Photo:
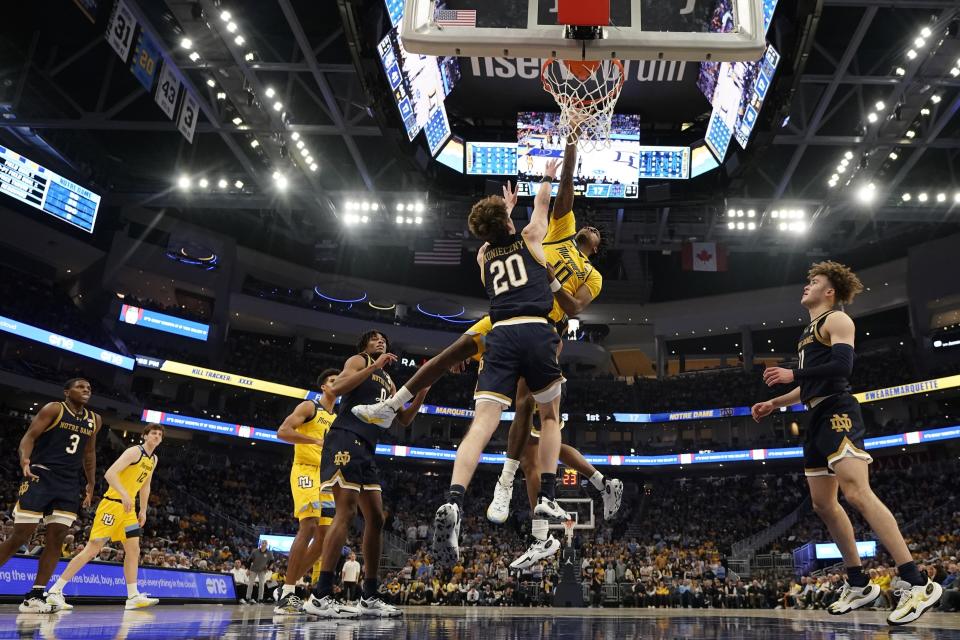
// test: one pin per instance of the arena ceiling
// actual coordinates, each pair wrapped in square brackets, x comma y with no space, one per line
[295,71]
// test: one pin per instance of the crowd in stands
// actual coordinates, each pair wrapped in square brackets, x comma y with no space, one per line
[668,546]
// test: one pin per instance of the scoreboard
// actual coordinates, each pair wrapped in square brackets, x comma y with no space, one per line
[492,158]
[36,186]
[671,163]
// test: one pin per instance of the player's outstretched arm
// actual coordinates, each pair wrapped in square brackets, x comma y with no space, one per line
[40,423]
[407,414]
[287,432]
[356,370]
[564,201]
[536,231]
[763,409]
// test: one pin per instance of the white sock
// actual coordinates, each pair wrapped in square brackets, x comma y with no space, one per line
[58,586]
[287,590]
[538,529]
[400,398]
[510,467]
[597,480]
[132,590]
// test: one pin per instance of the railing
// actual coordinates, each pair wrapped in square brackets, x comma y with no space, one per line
[748,546]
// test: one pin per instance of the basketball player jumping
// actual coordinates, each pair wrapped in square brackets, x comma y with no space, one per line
[833,452]
[305,429]
[349,471]
[567,253]
[117,519]
[60,439]
[521,343]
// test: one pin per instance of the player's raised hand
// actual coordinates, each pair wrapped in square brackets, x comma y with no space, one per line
[552,168]
[761,410]
[384,360]
[510,196]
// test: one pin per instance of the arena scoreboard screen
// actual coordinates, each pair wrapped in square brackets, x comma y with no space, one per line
[570,478]
[491,158]
[33,184]
[670,163]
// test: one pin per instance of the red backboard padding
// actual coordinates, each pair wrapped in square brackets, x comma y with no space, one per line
[584,13]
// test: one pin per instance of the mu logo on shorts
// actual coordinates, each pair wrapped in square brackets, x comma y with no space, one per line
[841,423]
[107,519]
[305,482]
[342,458]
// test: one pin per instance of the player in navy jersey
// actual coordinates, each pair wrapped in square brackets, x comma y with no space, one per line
[833,453]
[348,471]
[522,343]
[60,441]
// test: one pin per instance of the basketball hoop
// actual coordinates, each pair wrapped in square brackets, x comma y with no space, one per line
[586,92]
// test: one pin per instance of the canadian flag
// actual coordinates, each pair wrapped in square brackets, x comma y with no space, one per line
[704,256]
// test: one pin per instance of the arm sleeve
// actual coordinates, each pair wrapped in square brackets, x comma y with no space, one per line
[594,282]
[840,365]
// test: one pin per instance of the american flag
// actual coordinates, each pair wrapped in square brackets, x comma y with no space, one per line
[441,252]
[456,17]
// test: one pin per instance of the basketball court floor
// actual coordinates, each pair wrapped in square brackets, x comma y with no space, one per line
[466,623]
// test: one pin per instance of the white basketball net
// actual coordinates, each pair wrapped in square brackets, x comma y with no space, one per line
[586,93]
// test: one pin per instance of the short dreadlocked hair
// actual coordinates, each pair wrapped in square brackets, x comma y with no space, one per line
[844,281]
[365,338]
[489,220]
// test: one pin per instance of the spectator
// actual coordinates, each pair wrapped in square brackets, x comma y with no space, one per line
[260,561]
[350,575]
[239,578]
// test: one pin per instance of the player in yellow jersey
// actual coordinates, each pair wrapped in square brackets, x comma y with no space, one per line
[116,519]
[305,429]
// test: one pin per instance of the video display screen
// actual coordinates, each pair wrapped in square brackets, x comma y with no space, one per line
[702,161]
[669,163]
[452,154]
[612,172]
[491,159]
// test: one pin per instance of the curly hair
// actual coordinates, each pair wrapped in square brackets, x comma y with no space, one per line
[365,338]
[489,221]
[844,281]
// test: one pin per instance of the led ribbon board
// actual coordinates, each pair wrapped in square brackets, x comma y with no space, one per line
[403,451]
[43,336]
[222,377]
[163,322]
[100,579]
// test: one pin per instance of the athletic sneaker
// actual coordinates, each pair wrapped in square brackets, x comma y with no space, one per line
[446,535]
[852,598]
[328,607]
[140,601]
[537,551]
[57,603]
[612,496]
[499,509]
[380,414]
[291,605]
[35,605]
[914,600]
[377,608]
[550,509]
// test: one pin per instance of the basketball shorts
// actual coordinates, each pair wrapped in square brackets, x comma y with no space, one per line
[835,431]
[112,522]
[54,498]
[347,460]
[308,501]
[527,349]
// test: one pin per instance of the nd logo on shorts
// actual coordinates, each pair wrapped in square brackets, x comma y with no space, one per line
[342,458]
[841,423]
[305,482]
[24,486]
[107,519]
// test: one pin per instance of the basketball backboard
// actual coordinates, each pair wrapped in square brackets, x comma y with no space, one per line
[722,30]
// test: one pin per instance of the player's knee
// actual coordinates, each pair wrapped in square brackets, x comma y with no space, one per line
[857,495]
[308,527]
[825,506]
[374,519]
